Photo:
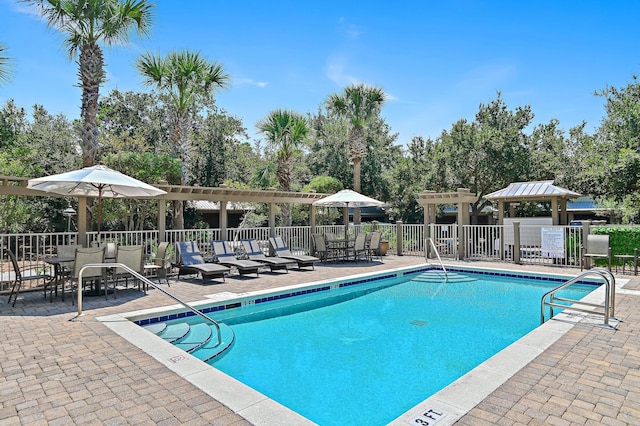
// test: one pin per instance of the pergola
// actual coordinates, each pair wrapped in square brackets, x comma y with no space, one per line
[430,200]
[18,186]
[534,192]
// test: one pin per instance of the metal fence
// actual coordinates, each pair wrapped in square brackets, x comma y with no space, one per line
[522,244]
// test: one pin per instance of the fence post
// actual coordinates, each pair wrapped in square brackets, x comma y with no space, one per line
[399,249]
[586,230]
[516,242]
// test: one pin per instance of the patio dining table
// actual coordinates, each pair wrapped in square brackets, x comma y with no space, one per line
[341,246]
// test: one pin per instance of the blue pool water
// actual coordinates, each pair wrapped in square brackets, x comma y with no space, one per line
[377,349]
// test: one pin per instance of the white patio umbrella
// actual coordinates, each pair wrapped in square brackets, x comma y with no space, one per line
[95,181]
[348,198]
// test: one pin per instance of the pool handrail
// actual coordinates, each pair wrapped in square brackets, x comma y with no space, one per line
[426,257]
[609,302]
[148,282]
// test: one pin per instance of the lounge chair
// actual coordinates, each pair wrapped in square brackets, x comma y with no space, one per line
[254,253]
[281,250]
[227,257]
[191,262]
[597,247]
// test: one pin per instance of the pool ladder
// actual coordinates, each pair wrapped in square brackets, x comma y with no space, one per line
[426,256]
[608,308]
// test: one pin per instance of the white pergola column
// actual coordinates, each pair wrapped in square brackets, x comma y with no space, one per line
[223,219]
[162,221]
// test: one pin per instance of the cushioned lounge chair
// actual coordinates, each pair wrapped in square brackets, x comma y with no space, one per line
[191,262]
[227,257]
[254,253]
[281,250]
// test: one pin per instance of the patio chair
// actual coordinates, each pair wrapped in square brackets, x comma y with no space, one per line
[596,247]
[67,251]
[374,245]
[227,257]
[254,253]
[191,262]
[320,247]
[161,265]
[360,247]
[281,250]
[21,276]
[85,256]
[133,257]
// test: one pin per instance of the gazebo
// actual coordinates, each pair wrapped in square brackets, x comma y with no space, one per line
[532,192]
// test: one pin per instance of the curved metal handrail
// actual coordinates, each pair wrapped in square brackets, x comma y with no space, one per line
[147,281]
[608,308]
[446,277]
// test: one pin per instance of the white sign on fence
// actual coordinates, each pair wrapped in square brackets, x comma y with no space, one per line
[552,242]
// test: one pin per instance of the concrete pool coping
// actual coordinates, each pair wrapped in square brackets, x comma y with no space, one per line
[446,406]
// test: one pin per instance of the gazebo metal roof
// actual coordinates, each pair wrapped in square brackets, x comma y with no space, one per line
[528,191]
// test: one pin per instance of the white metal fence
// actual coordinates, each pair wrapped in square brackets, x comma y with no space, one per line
[480,242]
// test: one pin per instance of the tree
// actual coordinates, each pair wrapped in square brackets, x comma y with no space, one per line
[323,185]
[5,65]
[44,145]
[221,151]
[189,81]
[413,174]
[615,170]
[485,155]
[328,148]
[135,122]
[87,24]
[358,103]
[286,132]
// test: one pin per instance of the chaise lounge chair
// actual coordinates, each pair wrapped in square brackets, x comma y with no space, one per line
[227,257]
[191,262]
[254,252]
[280,248]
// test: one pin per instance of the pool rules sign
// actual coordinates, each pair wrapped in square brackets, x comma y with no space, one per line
[552,242]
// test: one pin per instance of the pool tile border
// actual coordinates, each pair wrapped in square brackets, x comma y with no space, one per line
[352,282]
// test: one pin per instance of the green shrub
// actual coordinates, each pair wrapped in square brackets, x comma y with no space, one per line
[622,239]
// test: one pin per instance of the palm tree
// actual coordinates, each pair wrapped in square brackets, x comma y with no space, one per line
[358,103]
[285,131]
[87,24]
[190,82]
[5,65]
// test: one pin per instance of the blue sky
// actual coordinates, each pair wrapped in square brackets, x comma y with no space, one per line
[437,61]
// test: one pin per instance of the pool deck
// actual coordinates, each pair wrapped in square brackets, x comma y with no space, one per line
[61,369]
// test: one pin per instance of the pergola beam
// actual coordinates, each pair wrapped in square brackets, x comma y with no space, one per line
[11,185]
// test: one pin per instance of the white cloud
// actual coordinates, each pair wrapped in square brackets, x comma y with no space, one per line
[336,71]
[351,31]
[249,81]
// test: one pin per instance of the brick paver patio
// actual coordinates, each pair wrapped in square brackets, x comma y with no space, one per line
[60,369]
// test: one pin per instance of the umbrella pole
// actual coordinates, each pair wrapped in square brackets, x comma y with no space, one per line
[346,221]
[99,210]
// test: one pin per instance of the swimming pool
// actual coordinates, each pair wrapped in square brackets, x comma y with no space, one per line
[390,373]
